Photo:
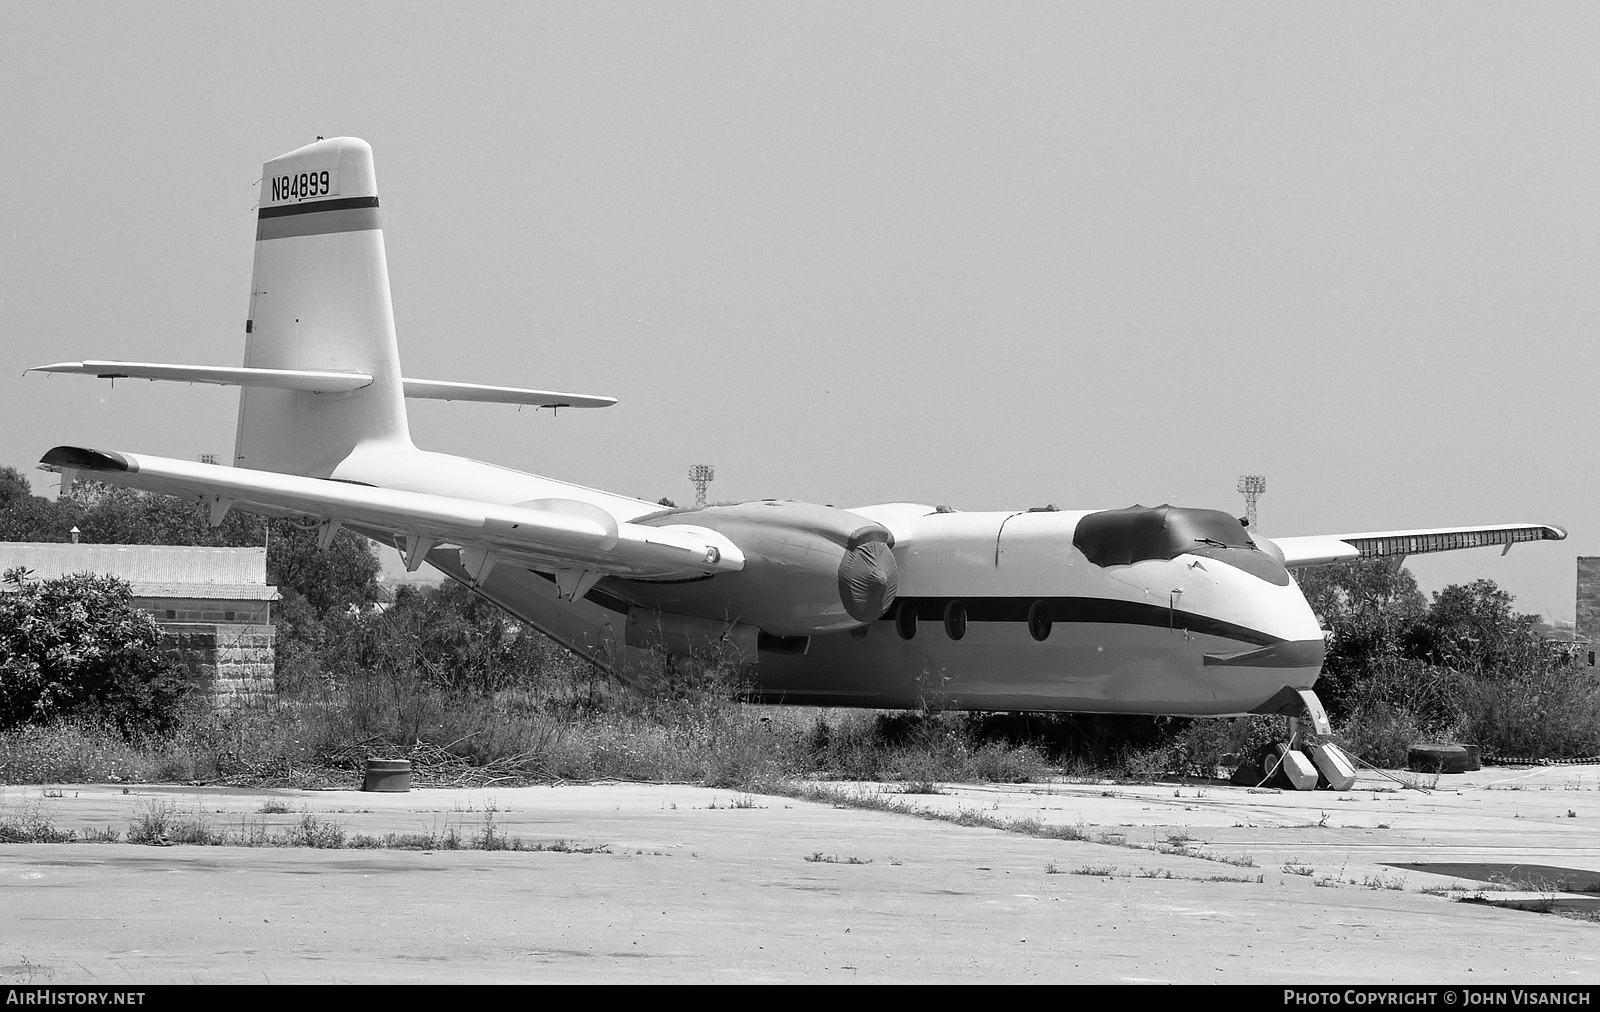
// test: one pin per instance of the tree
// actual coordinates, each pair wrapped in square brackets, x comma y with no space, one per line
[13,486]
[1471,626]
[1362,592]
[1368,604]
[335,578]
[77,645]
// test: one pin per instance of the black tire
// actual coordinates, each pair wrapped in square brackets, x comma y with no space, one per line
[1436,759]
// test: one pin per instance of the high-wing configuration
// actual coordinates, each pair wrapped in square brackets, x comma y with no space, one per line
[1159,609]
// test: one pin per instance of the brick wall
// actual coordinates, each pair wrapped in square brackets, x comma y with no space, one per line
[230,661]
[1589,602]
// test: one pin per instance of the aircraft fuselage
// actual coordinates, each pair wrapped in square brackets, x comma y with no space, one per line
[992,611]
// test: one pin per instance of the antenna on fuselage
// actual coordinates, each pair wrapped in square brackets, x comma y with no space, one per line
[1254,486]
[701,475]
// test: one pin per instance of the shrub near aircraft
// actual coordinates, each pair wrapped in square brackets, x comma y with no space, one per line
[1150,610]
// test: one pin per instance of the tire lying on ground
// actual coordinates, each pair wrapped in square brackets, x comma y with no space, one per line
[1437,759]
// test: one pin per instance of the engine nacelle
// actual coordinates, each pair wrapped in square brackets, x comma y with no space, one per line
[808,569]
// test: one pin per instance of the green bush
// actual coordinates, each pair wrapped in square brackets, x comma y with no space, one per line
[1380,733]
[76,645]
[1541,710]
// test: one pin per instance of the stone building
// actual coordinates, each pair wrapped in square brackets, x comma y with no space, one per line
[213,604]
[1589,604]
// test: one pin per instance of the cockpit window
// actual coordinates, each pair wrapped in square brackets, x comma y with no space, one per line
[1123,537]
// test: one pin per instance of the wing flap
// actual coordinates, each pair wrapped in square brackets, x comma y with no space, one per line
[543,534]
[1322,549]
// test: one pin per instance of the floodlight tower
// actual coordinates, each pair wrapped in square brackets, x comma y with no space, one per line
[1254,486]
[701,475]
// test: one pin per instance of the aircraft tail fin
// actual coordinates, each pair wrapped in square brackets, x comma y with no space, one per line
[319,300]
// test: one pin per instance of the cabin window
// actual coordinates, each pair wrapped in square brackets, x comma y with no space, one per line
[1039,621]
[905,620]
[955,620]
[1126,536]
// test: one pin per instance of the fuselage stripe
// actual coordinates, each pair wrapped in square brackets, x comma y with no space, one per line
[1079,610]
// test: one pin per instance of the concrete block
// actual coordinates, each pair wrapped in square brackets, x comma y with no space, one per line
[1302,776]
[1335,767]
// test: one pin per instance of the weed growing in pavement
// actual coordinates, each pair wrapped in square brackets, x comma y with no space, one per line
[820,858]
[1025,825]
[312,832]
[1394,882]
[739,801]
[568,847]
[1107,871]
[165,824]
[31,823]
[162,824]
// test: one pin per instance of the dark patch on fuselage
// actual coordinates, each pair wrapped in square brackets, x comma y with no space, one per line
[1144,533]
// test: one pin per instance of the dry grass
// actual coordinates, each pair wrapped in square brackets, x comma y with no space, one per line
[468,739]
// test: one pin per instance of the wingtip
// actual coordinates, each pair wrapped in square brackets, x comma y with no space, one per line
[84,459]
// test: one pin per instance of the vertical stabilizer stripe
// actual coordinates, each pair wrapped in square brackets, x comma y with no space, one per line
[353,219]
[313,206]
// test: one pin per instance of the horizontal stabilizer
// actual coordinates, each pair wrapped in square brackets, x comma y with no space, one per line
[313,380]
[543,534]
[325,381]
[444,390]
[1322,549]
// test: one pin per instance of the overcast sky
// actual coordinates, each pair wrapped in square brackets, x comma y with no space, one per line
[990,255]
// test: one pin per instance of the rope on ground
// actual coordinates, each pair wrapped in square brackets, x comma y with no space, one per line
[1495,759]
[1384,773]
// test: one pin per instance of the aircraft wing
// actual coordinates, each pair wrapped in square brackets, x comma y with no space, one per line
[551,535]
[1322,549]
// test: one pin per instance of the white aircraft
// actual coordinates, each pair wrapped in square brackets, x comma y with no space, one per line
[1149,610]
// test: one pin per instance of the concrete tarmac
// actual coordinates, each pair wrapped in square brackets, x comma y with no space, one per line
[1192,883]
